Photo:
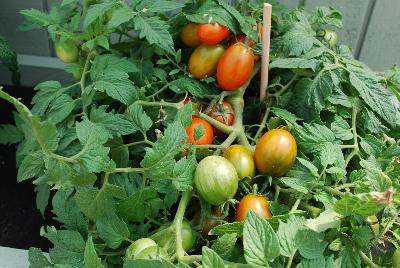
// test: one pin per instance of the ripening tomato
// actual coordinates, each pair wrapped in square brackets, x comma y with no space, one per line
[235,67]
[331,37]
[189,35]
[167,241]
[212,34]
[258,203]
[204,60]
[208,136]
[242,38]
[224,114]
[242,159]
[275,153]
[67,51]
[216,180]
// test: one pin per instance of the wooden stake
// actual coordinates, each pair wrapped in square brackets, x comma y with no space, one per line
[266,40]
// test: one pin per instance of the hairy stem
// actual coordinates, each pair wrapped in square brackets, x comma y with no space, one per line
[367,260]
[180,213]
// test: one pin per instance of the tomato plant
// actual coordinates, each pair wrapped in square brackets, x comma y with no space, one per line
[275,152]
[212,33]
[242,159]
[257,203]
[67,51]
[235,67]
[204,60]
[216,180]
[189,35]
[105,152]
[206,138]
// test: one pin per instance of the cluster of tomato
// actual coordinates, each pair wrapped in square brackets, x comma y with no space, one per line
[217,177]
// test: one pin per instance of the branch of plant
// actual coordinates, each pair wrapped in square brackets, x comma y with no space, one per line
[222,127]
[290,260]
[228,141]
[180,213]
[366,260]
[165,87]
[176,64]
[161,103]
[83,80]
[355,151]
[284,88]
[385,229]
[296,204]
[262,125]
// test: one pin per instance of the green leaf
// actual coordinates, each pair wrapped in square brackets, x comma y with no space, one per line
[350,257]
[10,134]
[140,120]
[92,136]
[287,235]
[112,230]
[314,263]
[327,15]
[31,166]
[155,31]
[146,6]
[377,97]
[294,63]
[183,174]
[260,241]
[116,124]
[35,19]
[184,115]
[210,259]
[224,245]
[95,203]
[310,95]
[67,212]
[311,244]
[228,228]
[69,246]
[341,129]
[362,235]
[119,16]
[199,132]
[119,152]
[42,197]
[349,204]
[68,2]
[60,108]
[91,258]
[96,11]
[159,161]
[326,220]
[37,259]
[148,264]
[133,207]
[194,87]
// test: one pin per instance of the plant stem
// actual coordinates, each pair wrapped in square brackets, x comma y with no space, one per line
[190,259]
[356,149]
[262,124]
[136,143]
[296,204]
[283,90]
[367,260]
[180,213]
[128,170]
[160,90]
[344,186]
[224,128]
[176,65]
[333,191]
[161,103]
[290,260]
[83,81]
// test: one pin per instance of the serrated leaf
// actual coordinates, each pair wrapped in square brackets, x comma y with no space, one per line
[116,124]
[362,235]
[141,121]
[260,241]
[37,259]
[314,263]
[311,244]
[184,115]
[326,220]
[31,166]
[159,6]
[91,258]
[183,174]
[159,160]
[148,264]
[97,10]
[294,63]
[133,207]
[10,134]
[228,228]
[112,230]
[199,132]
[224,245]
[120,16]
[155,31]
[60,108]
[341,129]
[287,235]
[194,87]
[210,259]
[68,248]
[350,257]
[327,15]
[42,197]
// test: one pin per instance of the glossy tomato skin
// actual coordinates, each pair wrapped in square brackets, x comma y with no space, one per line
[212,33]
[208,136]
[242,159]
[188,237]
[275,152]
[216,180]
[189,35]
[204,60]
[257,203]
[235,67]
[242,39]
[67,51]
[218,112]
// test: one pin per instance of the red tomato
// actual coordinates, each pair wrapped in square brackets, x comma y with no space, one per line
[242,39]
[258,203]
[189,35]
[212,34]
[224,114]
[235,67]
[208,136]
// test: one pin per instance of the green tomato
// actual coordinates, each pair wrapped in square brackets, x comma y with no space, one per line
[396,259]
[216,180]
[331,37]
[242,160]
[138,246]
[151,253]
[188,237]
[67,51]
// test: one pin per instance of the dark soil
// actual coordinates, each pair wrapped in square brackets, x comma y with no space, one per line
[20,220]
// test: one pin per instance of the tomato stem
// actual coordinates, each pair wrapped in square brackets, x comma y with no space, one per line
[180,213]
